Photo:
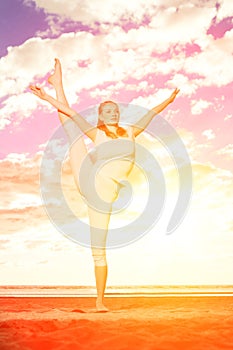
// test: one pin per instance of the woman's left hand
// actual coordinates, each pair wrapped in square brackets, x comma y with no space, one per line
[173,95]
[39,92]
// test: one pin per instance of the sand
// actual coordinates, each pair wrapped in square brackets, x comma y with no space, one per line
[133,323]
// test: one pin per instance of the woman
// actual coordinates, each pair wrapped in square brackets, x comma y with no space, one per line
[109,175]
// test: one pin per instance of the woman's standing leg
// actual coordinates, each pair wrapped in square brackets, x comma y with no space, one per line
[99,229]
[99,222]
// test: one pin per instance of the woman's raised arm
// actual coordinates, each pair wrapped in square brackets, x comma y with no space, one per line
[146,119]
[86,127]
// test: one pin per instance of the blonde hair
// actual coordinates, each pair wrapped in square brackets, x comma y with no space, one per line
[102,126]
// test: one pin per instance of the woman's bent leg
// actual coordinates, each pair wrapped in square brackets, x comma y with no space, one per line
[78,150]
[56,80]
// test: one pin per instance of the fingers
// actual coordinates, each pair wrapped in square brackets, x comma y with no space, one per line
[36,90]
[34,87]
[175,92]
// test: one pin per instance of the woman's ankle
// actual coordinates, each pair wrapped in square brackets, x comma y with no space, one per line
[100,299]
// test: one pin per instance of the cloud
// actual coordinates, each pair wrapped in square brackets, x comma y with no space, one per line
[214,61]
[197,107]
[115,11]
[196,149]
[210,211]
[31,239]
[209,134]
[208,176]
[182,25]
[228,116]
[227,150]
[139,48]
[19,170]
[17,108]
[152,100]
[187,85]
[114,55]
[20,219]
[19,191]
[225,9]
[91,12]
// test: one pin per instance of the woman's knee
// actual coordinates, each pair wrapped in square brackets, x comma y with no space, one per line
[99,256]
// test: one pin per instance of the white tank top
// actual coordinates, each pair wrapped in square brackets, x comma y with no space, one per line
[116,156]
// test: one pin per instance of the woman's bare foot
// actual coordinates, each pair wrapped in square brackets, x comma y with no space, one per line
[56,77]
[100,306]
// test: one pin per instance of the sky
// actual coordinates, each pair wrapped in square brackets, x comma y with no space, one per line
[133,52]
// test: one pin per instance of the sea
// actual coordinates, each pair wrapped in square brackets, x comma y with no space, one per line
[117,291]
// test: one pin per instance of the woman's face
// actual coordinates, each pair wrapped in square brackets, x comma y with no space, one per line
[110,114]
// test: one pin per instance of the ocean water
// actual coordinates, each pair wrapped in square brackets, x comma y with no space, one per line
[116,291]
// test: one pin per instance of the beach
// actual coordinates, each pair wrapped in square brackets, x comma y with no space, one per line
[132,323]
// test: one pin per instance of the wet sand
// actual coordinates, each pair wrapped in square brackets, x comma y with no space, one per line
[48,323]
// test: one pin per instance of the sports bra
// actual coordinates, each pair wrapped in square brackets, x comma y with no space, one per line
[120,148]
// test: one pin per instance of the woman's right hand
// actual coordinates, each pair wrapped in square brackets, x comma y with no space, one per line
[173,95]
[39,92]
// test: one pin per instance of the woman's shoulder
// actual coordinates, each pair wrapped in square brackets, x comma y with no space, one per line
[129,129]
[100,136]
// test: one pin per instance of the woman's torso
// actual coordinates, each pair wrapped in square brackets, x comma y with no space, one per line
[115,156]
